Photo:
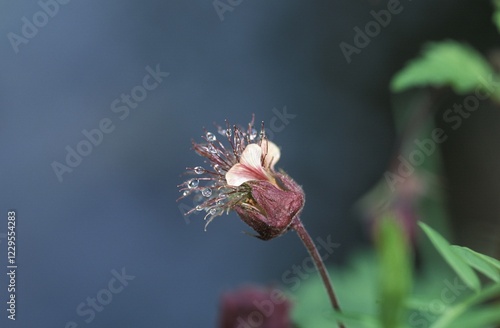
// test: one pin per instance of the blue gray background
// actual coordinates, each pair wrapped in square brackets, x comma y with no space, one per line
[117,208]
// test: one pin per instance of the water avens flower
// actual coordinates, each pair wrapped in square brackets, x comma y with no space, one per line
[242,177]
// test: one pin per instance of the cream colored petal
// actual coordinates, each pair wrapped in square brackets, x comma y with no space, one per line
[249,167]
[238,175]
[251,156]
[273,153]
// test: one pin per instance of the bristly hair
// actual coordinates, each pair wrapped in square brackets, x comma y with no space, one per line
[209,187]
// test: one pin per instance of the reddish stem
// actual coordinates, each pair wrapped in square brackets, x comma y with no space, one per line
[313,251]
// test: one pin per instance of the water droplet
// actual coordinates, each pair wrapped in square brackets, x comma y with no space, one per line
[199,170]
[212,149]
[210,137]
[213,211]
[229,133]
[207,192]
[253,134]
[185,193]
[193,183]
[199,208]
[219,202]
[222,196]
[218,169]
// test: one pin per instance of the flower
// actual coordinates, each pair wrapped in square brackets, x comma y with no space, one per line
[403,203]
[255,307]
[243,178]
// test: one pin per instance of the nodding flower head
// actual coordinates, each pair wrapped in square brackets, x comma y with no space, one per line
[241,177]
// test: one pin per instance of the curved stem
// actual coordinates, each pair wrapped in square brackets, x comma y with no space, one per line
[313,251]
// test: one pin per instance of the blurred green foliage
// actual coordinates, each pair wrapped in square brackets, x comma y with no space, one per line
[394,271]
[447,63]
[375,289]
[455,286]
[496,14]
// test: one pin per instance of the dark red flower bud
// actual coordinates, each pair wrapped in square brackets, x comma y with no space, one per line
[270,209]
[255,307]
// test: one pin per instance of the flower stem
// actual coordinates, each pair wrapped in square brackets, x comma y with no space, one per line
[313,251]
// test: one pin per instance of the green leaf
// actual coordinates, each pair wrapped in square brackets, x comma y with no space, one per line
[479,318]
[494,262]
[394,272]
[462,269]
[446,63]
[478,262]
[496,14]
[451,315]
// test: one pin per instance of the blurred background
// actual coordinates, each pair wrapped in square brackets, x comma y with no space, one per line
[114,211]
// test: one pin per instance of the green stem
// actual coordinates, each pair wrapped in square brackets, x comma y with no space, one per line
[313,251]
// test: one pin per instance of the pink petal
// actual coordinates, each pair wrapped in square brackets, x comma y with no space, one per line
[249,167]
[240,174]
[251,157]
